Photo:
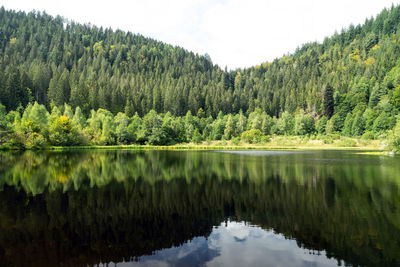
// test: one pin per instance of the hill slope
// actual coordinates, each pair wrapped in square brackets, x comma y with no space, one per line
[96,68]
[349,84]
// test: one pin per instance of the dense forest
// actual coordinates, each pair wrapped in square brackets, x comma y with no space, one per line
[81,82]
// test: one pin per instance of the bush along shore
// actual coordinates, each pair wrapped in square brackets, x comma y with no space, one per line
[61,128]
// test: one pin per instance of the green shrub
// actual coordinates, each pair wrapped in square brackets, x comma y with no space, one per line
[327,139]
[320,125]
[334,136]
[35,141]
[17,140]
[394,138]
[196,138]
[252,136]
[235,141]
[63,132]
[265,139]
[368,135]
[221,143]
[347,142]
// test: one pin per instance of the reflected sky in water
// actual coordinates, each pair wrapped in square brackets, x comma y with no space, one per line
[227,245]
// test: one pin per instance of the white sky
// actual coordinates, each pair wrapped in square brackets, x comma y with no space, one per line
[235,33]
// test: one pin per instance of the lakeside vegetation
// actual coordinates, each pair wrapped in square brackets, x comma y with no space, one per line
[63,127]
[67,84]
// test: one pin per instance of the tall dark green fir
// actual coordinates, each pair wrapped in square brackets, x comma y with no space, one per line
[328,103]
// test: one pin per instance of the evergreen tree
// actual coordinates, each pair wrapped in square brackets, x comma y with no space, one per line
[328,102]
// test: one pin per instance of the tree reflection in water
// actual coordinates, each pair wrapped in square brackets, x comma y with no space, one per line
[88,207]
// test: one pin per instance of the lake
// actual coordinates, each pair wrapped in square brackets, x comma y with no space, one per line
[199,208]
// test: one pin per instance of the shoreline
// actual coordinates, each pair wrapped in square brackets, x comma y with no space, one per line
[276,143]
[201,148]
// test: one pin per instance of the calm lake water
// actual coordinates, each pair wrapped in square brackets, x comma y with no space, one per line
[188,208]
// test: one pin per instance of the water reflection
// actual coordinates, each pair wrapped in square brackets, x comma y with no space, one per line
[87,208]
[226,246]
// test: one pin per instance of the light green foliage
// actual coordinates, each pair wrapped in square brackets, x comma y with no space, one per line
[359,93]
[346,142]
[196,137]
[253,136]
[94,127]
[108,134]
[55,113]
[320,125]
[151,129]
[35,119]
[207,129]
[255,120]
[122,133]
[174,129]
[68,111]
[368,135]
[230,129]
[190,124]
[286,123]
[377,92]
[336,123]
[39,115]
[274,127]
[267,124]
[242,123]
[391,79]
[63,132]
[134,127]
[151,121]
[101,128]
[395,137]
[382,123]
[13,120]
[218,127]
[358,126]
[304,124]
[396,97]
[79,119]
[35,141]
[236,141]
[157,137]
[348,123]
[369,117]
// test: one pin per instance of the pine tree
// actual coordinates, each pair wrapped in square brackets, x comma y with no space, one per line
[328,102]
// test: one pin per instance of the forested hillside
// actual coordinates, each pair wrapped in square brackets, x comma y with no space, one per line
[349,84]
[96,68]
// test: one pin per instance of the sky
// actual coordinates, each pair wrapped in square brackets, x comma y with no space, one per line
[235,33]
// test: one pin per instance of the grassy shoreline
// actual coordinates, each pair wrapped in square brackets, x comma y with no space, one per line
[275,143]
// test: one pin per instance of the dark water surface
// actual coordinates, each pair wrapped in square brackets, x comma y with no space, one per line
[187,208]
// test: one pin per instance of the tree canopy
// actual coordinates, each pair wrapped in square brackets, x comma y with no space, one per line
[348,84]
